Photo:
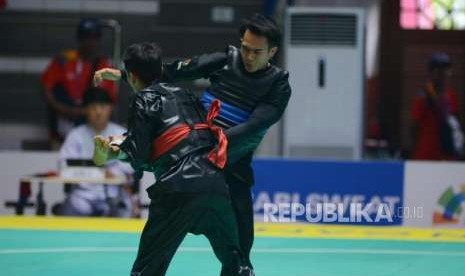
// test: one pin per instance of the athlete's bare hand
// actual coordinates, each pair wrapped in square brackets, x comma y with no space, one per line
[115,141]
[110,74]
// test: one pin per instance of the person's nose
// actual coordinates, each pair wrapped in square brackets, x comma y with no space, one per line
[250,57]
[99,111]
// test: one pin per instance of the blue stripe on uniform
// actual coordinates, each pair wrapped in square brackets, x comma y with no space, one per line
[227,111]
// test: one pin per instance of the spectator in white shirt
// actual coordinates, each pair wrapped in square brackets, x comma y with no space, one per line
[87,199]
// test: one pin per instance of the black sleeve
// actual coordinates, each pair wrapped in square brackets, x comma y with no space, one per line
[267,113]
[195,68]
[141,130]
[237,151]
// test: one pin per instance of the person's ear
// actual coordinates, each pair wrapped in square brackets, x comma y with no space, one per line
[273,51]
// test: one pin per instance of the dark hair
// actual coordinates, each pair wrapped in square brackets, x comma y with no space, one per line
[96,95]
[87,28]
[439,60]
[144,60]
[262,25]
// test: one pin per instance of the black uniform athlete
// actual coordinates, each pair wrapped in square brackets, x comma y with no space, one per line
[169,136]
[253,95]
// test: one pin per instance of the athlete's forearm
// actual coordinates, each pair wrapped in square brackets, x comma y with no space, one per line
[110,74]
[194,68]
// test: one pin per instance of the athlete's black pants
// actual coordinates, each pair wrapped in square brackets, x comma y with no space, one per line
[172,216]
[241,197]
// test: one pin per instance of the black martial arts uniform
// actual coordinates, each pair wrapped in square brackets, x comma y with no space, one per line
[190,193]
[250,104]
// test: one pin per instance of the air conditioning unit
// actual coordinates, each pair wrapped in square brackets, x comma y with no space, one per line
[324,54]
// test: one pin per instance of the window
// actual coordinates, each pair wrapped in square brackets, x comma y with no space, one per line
[432,14]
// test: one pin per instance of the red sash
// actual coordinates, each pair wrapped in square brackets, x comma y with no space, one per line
[174,135]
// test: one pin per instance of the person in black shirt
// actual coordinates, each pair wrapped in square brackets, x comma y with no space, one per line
[253,94]
[169,136]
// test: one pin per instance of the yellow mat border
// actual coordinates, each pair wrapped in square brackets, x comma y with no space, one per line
[315,231]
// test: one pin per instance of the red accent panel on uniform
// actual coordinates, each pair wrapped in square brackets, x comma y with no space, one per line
[174,135]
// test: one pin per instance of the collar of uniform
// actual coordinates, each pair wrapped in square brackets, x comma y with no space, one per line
[258,73]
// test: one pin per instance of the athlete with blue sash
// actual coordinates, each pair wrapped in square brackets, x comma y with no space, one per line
[253,94]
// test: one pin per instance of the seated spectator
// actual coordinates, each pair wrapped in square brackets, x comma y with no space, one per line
[89,199]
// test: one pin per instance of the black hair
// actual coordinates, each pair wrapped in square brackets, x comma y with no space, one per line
[144,60]
[262,25]
[88,27]
[439,60]
[96,95]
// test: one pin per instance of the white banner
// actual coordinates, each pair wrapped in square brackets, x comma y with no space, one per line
[434,194]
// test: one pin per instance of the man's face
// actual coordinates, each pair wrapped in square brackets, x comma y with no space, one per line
[90,46]
[98,115]
[255,51]
[439,75]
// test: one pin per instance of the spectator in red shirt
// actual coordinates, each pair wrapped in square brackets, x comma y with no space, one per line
[68,75]
[437,132]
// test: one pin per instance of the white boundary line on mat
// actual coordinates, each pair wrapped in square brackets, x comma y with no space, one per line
[257,250]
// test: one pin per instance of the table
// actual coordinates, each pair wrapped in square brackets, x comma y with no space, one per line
[40,203]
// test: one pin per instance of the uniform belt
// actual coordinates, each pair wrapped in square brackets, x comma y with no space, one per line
[229,112]
[176,134]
